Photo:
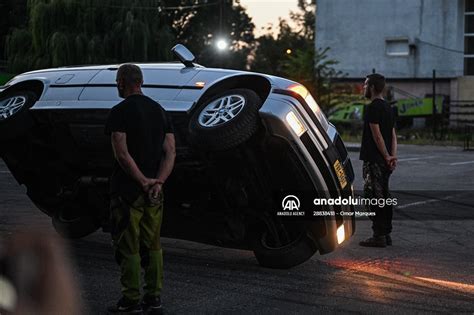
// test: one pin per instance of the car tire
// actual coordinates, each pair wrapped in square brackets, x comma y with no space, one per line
[293,254]
[74,227]
[17,123]
[241,112]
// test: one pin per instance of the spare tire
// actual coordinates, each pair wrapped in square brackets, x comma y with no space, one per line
[15,120]
[226,120]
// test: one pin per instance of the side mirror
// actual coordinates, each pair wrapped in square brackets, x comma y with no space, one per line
[184,55]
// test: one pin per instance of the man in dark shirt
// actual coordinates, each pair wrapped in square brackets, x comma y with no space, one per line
[378,151]
[144,147]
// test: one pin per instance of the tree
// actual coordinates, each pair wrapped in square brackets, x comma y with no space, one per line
[14,15]
[303,63]
[200,28]
[66,32]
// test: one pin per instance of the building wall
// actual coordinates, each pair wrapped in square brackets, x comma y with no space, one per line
[420,89]
[356,32]
[462,106]
[465,87]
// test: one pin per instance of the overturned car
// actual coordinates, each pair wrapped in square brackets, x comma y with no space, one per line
[245,142]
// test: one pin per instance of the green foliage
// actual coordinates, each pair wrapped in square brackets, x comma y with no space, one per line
[68,32]
[304,64]
[201,28]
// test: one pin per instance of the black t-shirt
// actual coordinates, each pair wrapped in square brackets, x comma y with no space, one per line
[378,112]
[145,123]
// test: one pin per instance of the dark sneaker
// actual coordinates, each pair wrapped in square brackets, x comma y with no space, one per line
[126,306]
[376,241]
[152,304]
[388,239]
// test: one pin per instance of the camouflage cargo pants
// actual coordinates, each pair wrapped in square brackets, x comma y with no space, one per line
[136,239]
[376,182]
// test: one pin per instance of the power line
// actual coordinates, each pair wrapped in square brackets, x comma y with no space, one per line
[151,8]
[440,47]
[189,6]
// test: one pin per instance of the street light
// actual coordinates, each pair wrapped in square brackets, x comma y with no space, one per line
[221,44]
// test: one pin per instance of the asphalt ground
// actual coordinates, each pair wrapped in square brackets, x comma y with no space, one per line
[429,268]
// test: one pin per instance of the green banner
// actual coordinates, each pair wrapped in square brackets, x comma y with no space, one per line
[406,108]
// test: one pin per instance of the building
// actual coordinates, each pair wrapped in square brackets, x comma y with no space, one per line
[403,39]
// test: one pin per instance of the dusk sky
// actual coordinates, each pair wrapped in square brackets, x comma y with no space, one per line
[264,12]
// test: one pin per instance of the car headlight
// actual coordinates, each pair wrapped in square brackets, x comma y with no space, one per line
[341,235]
[295,123]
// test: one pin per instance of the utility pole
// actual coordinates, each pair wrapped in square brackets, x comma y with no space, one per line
[220,17]
[434,104]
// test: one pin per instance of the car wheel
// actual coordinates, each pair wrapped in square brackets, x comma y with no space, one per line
[69,224]
[226,120]
[283,256]
[15,120]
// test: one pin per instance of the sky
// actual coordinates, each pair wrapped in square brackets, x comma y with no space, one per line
[264,12]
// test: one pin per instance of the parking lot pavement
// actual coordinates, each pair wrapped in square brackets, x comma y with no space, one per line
[427,168]
[427,270]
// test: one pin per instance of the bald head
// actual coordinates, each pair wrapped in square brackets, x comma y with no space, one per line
[129,79]
[130,73]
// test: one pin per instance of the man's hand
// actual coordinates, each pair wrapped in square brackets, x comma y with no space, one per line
[148,183]
[391,161]
[155,190]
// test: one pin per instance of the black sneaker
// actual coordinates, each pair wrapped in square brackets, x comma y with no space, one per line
[126,306]
[388,239]
[376,241]
[152,304]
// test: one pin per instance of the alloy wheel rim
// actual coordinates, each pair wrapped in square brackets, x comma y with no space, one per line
[10,106]
[221,111]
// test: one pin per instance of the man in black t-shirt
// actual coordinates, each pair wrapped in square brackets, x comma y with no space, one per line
[144,147]
[378,153]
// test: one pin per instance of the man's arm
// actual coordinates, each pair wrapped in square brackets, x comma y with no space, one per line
[394,142]
[166,165]
[126,162]
[377,135]
[393,163]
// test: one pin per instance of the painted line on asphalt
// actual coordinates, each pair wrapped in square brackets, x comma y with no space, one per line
[416,158]
[459,286]
[461,163]
[418,203]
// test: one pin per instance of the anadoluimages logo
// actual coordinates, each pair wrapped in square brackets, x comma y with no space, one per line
[291,206]
[291,203]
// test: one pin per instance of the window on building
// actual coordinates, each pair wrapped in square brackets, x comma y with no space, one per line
[469,45]
[469,7]
[469,66]
[469,37]
[397,47]
[469,24]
